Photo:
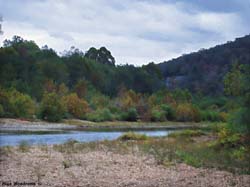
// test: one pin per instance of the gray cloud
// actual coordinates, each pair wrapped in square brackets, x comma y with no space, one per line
[135,31]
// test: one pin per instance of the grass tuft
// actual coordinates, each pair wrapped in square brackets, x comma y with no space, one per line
[24,146]
[132,136]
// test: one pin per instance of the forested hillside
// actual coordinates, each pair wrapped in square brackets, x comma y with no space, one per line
[203,71]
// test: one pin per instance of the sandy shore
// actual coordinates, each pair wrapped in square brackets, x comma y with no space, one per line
[106,169]
[7,124]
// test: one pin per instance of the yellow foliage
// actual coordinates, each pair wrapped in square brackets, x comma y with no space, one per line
[129,99]
[187,112]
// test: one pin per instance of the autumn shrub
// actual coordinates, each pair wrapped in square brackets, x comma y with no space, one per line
[227,138]
[52,108]
[187,112]
[75,106]
[128,99]
[184,112]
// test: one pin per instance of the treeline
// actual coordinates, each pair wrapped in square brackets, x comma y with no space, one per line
[31,70]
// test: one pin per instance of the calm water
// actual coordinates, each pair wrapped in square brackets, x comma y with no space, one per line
[58,138]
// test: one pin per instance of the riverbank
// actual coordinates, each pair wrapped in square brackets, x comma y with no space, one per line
[7,124]
[105,164]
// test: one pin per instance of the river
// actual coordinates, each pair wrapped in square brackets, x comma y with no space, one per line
[49,138]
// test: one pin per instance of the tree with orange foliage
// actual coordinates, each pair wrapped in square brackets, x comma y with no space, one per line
[76,106]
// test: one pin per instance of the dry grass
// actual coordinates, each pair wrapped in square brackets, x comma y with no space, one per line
[90,167]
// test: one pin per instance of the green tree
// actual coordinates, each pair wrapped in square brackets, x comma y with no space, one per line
[16,104]
[130,115]
[233,81]
[52,108]
[101,55]
[169,111]
[237,84]
[158,115]
[23,105]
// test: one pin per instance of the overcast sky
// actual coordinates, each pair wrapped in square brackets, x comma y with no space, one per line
[136,32]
